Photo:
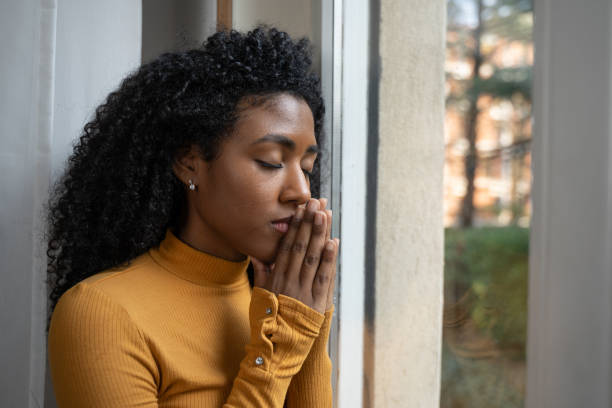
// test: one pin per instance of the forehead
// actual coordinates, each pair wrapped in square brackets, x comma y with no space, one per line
[281,114]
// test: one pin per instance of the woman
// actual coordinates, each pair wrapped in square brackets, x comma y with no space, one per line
[198,165]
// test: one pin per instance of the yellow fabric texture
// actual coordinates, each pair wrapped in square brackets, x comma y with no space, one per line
[182,328]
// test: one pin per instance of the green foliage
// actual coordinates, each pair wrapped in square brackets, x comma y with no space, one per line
[492,262]
[476,383]
[510,19]
[504,83]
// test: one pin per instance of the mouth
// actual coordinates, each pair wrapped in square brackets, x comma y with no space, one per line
[282,225]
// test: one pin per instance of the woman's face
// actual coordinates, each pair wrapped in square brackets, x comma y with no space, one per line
[260,176]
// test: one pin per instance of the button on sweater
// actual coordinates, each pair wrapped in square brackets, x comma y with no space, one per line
[178,327]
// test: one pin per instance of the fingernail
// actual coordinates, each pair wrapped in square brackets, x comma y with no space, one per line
[329,246]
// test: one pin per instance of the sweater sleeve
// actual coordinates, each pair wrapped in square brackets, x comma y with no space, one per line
[97,356]
[283,331]
[312,386]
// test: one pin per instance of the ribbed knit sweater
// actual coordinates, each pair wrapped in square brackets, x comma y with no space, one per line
[182,328]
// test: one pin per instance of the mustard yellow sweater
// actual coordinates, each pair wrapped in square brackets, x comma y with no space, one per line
[182,328]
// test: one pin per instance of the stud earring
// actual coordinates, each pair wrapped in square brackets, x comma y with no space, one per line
[191,185]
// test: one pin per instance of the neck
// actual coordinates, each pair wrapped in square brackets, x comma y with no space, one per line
[201,236]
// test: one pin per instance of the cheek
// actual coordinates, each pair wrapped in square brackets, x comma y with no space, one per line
[246,219]
[245,196]
[253,189]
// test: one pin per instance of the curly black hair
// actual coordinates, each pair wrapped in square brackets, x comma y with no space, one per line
[118,194]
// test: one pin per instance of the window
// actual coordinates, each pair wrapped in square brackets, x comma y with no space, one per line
[487,202]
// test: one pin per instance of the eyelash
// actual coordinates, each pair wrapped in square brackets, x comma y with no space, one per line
[272,166]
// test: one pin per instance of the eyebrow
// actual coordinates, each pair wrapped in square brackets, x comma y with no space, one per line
[285,141]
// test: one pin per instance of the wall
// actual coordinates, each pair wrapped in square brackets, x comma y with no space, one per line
[27,34]
[406,331]
[569,350]
[60,60]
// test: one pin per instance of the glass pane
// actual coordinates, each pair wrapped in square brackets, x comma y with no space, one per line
[487,181]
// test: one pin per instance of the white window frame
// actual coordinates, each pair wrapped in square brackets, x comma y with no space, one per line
[345,80]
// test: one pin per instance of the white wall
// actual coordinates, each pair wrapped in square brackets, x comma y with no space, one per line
[569,353]
[60,59]
[98,43]
[26,40]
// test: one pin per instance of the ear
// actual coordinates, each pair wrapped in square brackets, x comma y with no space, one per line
[188,164]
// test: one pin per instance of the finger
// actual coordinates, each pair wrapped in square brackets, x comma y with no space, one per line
[284,250]
[330,292]
[323,202]
[300,244]
[261,271]
[323,207]
[315,247]
[329,225]
[322,280]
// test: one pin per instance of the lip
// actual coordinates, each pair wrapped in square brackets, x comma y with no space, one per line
[285,220]
[281,225]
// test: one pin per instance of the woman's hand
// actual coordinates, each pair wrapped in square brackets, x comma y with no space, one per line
[305,264]
[330,295]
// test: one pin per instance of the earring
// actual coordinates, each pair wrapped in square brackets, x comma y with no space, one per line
[191,185]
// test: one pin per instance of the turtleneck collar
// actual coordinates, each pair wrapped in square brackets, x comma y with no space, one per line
[196,266]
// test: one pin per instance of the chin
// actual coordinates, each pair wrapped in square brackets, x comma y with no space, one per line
[265,254]
[268,257]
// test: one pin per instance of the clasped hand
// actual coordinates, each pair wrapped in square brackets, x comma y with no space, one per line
[305,264]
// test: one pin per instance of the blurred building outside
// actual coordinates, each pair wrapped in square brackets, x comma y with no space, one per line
[502,126]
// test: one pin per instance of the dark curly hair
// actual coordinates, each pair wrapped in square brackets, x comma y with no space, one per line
[118,194]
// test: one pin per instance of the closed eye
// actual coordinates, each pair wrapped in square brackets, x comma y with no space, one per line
[269,165]
[280,166]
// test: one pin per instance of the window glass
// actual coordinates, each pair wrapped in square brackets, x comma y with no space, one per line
[487,182]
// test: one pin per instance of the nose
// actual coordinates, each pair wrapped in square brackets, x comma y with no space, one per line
[296,187]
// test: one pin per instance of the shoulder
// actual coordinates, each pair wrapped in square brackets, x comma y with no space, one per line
[122,275]
[85,309]
[91,334]
[133,286]
[87,319]
[115,294]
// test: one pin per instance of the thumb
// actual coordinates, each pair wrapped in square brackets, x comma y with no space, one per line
[261,270]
